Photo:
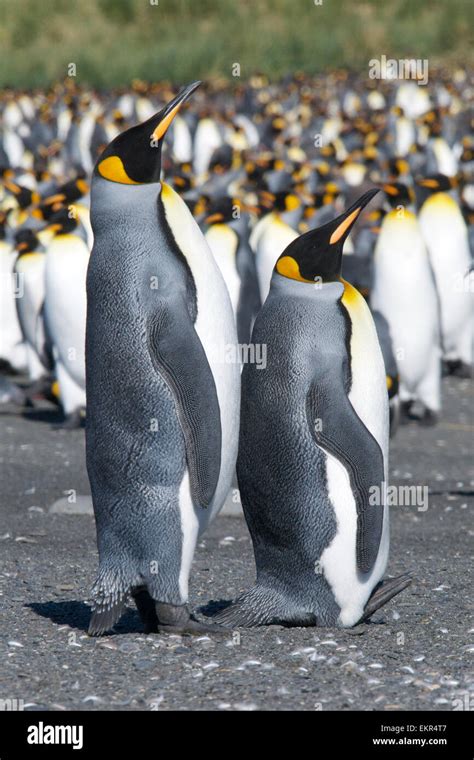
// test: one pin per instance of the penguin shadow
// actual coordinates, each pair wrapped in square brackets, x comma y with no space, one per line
[77,615]
[52,416]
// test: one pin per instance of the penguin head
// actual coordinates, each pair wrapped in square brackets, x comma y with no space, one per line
[226,209]
[62,222]
[398,194]
[437,183]
[222,210]
[26,242]
[23,195]
[318,253]
[282,201]
[134,156]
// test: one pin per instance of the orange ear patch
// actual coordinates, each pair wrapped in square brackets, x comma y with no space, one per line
[288,267]
[112,168]
[432,183]
[344,226]
[390,189]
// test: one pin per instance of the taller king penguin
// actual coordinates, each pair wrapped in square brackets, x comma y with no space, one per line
[313,448]
[162,411]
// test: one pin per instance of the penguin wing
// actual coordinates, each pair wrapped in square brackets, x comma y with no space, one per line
[337,429]
[178,355]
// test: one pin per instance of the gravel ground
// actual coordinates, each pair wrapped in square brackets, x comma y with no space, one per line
[413,655]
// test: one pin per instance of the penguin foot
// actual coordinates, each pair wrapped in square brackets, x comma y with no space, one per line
[146,609]
[458,368]
[405,415]
[178,620]
[383,592]
[428,419]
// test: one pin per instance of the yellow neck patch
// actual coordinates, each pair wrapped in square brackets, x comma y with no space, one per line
[351,298]
[112,168]
[288,267]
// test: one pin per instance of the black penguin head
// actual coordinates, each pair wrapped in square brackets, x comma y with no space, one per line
[26,242]
[62,222]
[437,183]
[134,157]
[65,194]
[318,253]
[282,201]
[222,210]
[23,195]
[398,194]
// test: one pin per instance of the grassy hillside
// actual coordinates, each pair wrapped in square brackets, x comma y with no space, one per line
[113,41]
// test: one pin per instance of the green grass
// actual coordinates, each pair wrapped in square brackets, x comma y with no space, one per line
[114,41]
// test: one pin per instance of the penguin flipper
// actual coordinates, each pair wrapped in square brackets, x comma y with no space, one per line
[178,355]
[337,428]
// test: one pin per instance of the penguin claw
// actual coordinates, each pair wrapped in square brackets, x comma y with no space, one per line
[176,619]
[382,594]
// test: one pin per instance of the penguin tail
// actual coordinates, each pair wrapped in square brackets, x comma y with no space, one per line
[383,592]
[259,606]
[108,600]
[104,618]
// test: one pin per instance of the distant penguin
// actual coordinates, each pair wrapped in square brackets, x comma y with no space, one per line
[446,236]
[404,293]
[12,346]
[67,257]
[162,397]
[228,238]
[391,369]
[270,236]
[30,270]
[312,458]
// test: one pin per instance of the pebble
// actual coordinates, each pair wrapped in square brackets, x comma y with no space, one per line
[81,506]
[128,647]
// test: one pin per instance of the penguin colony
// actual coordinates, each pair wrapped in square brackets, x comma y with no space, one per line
[148,236]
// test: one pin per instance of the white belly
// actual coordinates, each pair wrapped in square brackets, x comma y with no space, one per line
[368,396]
[66,267]
[223,242]
[404,293]
[216,329]
[11,338]
[446,237]
[275,237]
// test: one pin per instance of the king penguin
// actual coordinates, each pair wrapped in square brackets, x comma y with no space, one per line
[312,458]
[446,236]
[67,257]
[404,293]
[227,235]
[162,403]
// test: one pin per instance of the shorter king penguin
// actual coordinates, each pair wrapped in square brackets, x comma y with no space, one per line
[404,294]
[162,406]
[30,268]
[67,258]
[227,235]
[313,449]
[446,237]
